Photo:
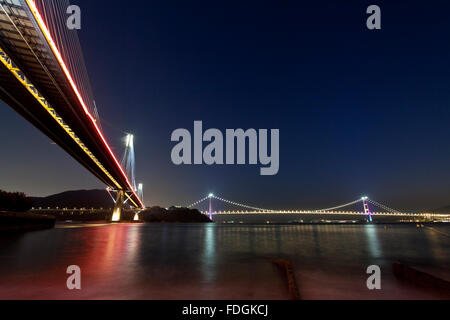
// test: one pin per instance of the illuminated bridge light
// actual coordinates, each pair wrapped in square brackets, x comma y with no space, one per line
[332,211]
[128,139]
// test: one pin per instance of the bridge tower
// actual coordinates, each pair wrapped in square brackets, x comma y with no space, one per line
[128,160]
[140,192]
[210,212]
[118,206]
[128,164]
[367,212]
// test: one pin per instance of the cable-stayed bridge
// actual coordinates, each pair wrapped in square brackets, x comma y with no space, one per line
[363,203]
[43,77]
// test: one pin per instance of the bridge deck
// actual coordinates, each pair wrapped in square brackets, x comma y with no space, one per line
[23,41]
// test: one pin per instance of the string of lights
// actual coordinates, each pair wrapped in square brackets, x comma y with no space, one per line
[384,207]
[243,205]
[197,202]
[326,210]
[338,207]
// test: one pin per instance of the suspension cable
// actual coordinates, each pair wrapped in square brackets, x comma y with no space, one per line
[197,202]
[384,207]
[338,207]
[243,205]
[390,210]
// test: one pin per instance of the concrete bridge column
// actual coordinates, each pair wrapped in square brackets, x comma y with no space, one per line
[118,207]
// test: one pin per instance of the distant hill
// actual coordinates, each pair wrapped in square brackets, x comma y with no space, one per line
[75,199]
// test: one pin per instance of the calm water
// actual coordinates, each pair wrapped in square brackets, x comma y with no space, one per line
[199,261]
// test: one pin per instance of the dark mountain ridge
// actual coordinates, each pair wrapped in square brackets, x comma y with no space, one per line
[75,199]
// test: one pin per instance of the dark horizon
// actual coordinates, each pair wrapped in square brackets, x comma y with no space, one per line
[360,112]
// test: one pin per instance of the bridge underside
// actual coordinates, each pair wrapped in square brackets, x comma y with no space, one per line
[65,120]
[17,97]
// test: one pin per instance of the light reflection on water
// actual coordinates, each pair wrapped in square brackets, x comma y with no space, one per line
[372,240]
[209,258]
[206,261]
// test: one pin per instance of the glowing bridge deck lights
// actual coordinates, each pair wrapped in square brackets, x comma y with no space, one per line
[328,211]
[7,62]
[40,21]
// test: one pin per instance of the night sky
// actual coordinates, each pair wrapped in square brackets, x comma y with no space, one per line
[360,112]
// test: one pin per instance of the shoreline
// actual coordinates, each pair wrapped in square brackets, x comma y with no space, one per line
[24,221]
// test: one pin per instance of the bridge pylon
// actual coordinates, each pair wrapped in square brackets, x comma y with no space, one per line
[210,212]
[367,212]
[118,207]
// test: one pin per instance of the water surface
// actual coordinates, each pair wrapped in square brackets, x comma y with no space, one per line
[207,261]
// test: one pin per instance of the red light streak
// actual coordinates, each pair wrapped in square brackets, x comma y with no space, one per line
[55,50]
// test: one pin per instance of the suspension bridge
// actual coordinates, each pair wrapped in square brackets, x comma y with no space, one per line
[363,202]
[43,77]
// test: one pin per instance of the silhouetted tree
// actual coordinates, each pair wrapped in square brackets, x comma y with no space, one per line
[173,214]
[14,201]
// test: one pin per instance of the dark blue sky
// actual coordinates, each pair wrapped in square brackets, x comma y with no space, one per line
[359,111]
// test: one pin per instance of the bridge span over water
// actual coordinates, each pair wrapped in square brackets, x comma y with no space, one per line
[43,77]
[363,202]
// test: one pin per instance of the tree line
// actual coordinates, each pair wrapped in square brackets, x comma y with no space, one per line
[14,201]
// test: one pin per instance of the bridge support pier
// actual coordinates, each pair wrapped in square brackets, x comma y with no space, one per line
[210,208]
[118,207]
[367,212]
